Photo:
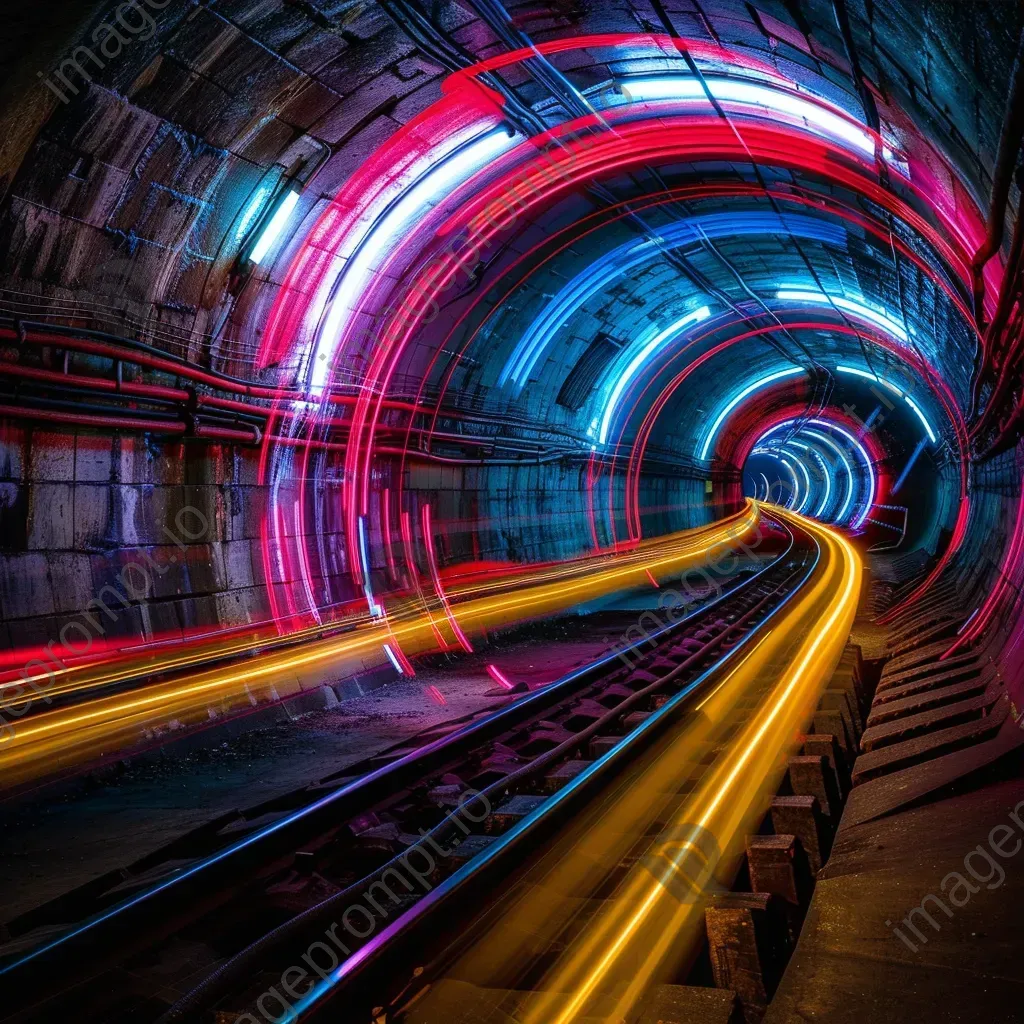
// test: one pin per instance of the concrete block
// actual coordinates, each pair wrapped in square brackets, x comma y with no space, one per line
[779,866]
[201,567]
[93,523]
[71,581]
[311,700]
[563,774]
[511,812]
[826,744]
[848,679]
[93,459]
[835,699]
[208,501]
[25,589]
[168,569]
[13,516]
[801,816]
[469,847]
[748,943]
[52,458]
[600,745]
[834,723]
[232,608]
[813,776]
[163,618]
[51,517]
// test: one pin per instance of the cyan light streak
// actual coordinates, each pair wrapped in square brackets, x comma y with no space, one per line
[809,490]
[807,484]
[867,375]
[892,387]
[828,482]
[252,211]
[795,496]
[909,466]
[824,469]
[649,350]
[861,450]
[920,415]
[604,271]
[774,453]
[745,393]
[878,317]
[841,514]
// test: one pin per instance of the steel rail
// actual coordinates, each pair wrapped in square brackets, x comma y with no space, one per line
[388,954]
[160,909]
[244,963]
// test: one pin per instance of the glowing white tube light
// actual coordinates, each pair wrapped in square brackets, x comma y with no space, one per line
[795,496]
[375,609]
[828,483]
[270,233]
[920,415]
[862,451]
[814,115]
[746,392]
[391,657]
[807,483]
[867,375]
[388,222]
[841,514]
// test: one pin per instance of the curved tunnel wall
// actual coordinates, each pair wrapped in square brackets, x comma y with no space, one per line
[129,208]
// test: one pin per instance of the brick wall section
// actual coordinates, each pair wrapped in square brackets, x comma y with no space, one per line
[76,509]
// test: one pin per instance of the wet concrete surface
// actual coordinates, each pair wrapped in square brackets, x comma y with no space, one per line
[917,917]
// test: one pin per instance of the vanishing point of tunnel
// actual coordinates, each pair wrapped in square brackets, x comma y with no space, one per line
[512,512]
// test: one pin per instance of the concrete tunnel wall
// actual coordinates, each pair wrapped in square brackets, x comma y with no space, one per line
[125,203]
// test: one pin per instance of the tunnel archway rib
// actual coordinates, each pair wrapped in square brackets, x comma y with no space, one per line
[630,144]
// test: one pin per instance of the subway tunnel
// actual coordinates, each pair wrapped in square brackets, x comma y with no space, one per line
[512,513]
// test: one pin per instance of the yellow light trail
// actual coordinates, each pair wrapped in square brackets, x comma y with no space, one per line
[651,927]
[25,688]
[59,739]
[645,925]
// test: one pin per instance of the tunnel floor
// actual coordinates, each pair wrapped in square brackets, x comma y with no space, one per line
[67,834]
[850,964]
[867,932]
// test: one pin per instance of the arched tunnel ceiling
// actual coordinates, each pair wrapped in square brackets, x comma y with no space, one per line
[621,236]
[183,126]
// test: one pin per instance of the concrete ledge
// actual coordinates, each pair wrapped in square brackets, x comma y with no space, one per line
[851,966]
[923,748]
[909,725]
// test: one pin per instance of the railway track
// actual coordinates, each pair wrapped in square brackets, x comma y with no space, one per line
[222,913]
